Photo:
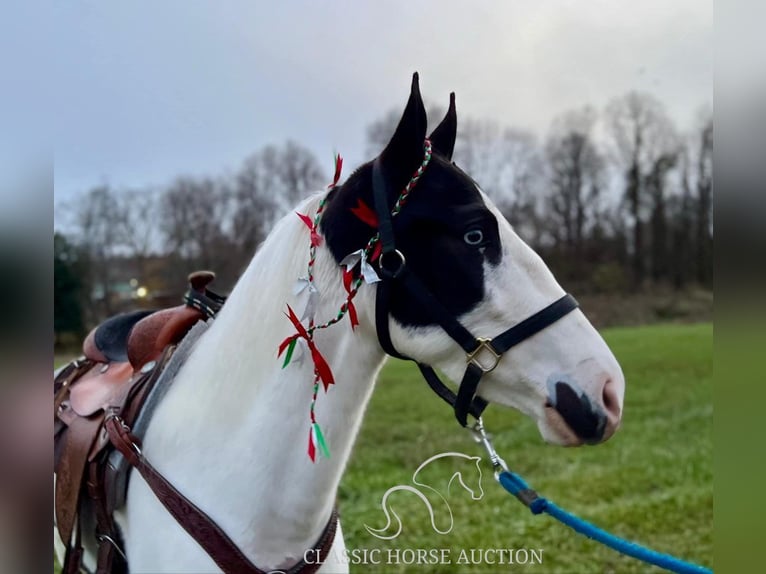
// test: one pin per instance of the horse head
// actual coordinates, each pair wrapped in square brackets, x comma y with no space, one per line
[468,257]
[477,491]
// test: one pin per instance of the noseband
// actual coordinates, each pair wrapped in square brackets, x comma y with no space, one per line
[482,355]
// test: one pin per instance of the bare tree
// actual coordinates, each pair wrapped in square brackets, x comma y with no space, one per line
[704,223]
[681,216]
[526,170]
[269,183]
[507,165]
[138,224]
[655,184]
[195,212]
[642,133]
[576,168]
[97,218]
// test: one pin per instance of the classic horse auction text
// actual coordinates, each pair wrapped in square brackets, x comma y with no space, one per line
[409,556]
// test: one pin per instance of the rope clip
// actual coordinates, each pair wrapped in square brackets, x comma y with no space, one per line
[481,436]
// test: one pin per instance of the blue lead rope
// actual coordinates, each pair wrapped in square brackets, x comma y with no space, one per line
[516,485]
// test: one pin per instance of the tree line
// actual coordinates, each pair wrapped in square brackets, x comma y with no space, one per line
[615,200]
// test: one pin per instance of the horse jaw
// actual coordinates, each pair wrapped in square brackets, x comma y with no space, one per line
[232,432]
[570,349]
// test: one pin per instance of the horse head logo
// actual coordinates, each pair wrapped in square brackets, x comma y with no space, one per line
[469,478]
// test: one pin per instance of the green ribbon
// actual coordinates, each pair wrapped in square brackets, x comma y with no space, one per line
[320,441]
[289,354]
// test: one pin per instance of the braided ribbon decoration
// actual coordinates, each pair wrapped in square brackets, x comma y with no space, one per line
[351,282]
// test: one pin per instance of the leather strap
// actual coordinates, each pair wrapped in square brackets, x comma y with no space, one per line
[422,295]
[534,324]
[65,378]
[380,197]
[79,439]
[472,405]
[73,554]
[108,561]
[224,552]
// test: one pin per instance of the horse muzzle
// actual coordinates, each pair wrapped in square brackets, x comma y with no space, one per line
[577,418]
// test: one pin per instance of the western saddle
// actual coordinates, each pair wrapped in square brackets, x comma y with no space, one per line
[122,362]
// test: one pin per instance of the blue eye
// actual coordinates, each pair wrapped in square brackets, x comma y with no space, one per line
[474,237]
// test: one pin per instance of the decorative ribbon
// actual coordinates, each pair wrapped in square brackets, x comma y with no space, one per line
[368,272]
[316,438]
[304,337]
[338,169]
[316,239]
[320,364]
[365,214]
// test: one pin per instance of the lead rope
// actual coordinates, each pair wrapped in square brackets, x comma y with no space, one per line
[517,486]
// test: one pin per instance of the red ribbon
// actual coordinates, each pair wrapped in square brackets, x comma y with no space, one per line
[348,278]
[364,213]
[376,251]
[320,364]
[316,239]
[312,447]
[338,168]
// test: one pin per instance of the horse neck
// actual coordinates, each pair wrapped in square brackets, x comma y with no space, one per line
[246,419]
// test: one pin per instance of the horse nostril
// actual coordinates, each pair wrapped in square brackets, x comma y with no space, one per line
[588,421]
[611,401]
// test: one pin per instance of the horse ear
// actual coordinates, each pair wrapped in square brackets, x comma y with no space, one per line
[443,137]
[404,152]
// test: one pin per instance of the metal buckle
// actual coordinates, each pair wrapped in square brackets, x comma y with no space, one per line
[392,273]
[484,344]
[112,413]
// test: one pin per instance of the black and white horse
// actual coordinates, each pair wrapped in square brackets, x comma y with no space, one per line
[231,432]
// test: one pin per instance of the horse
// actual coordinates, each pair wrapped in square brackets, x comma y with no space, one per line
[230,433]
[477,493]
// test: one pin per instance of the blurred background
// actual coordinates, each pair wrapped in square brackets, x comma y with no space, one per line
[184,130]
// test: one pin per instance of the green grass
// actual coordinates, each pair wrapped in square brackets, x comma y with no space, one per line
[652,482]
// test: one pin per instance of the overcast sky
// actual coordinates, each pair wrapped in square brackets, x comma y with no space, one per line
[146,91]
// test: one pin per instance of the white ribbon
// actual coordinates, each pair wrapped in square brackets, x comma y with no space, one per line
[299,353]
[311,304]
[300,285]
[368,272]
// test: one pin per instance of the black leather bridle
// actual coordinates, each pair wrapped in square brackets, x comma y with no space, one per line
[393,269]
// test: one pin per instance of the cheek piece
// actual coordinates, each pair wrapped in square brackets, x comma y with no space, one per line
[482,354]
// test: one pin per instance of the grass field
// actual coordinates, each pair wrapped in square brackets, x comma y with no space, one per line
[653,482]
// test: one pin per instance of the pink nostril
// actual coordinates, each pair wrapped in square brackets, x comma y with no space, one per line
[611,400]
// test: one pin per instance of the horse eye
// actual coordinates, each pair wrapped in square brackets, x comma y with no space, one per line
[474,237]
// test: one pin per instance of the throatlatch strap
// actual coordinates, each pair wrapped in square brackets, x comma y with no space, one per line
[473,405]
[382,305]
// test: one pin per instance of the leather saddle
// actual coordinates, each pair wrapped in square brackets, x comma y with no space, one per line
[123,359]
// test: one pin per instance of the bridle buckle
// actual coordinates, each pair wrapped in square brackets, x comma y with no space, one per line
[493,356]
